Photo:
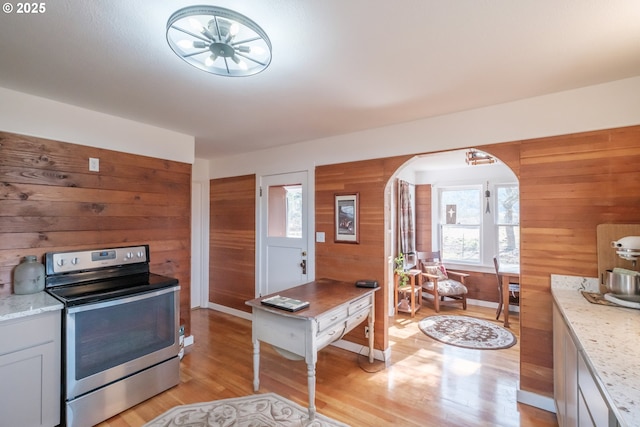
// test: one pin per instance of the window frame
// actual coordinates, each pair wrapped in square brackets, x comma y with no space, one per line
[489,222]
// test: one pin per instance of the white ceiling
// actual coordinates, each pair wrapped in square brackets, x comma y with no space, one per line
[338,66]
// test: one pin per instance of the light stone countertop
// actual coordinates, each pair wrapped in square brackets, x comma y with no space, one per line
[609,339]
[15,306]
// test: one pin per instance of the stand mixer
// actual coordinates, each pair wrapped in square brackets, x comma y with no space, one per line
[623,285]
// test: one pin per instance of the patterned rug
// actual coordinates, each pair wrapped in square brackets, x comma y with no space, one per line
[467,332]
[258,410]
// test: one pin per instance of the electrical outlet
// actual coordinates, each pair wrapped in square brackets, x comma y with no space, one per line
[366,332]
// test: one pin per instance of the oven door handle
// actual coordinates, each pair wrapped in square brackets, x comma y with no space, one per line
[118,301]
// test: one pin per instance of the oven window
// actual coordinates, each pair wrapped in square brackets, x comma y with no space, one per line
[113,335]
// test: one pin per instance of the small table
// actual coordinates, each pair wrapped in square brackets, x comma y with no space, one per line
[508,275]
[413,282]
[335,309]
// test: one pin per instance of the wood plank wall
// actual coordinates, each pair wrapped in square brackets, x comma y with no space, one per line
[49,201]
[568,185]
[350,262]
[232,279]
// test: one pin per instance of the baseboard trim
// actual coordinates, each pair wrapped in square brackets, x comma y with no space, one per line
[231,311]
[536,400]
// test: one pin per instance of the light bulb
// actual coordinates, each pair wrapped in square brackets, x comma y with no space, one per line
[233,30]
[241,64]
[195,24]
[210,60]
[185,44]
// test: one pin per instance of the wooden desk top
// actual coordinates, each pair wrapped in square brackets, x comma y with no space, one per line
[322,294]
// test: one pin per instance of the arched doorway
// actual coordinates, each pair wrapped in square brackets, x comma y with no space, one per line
[436,174]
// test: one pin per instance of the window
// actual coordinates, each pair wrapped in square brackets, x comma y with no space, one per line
[460,220]
[508,223]
[468,234]
[285,211]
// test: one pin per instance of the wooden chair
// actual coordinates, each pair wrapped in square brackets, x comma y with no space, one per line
[513,287]
[435,280]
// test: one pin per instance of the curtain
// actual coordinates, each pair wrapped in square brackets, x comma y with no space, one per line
[406,226]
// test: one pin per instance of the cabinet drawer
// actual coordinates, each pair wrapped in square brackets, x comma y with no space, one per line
[30,331]
[330,335]
[332,317]
[359,304]
[357,318]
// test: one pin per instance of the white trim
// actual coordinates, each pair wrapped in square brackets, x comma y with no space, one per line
[231,311]
[188,340]
[536,400]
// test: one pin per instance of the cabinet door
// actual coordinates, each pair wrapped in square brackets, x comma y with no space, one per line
[565,372]
[595,408]
[27,398]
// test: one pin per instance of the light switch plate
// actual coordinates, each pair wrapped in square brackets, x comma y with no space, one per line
[320,236]
[94,164]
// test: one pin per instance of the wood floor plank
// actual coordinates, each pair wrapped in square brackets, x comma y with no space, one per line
[426,383]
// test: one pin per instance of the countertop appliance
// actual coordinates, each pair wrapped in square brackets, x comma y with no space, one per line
[622,284]
[120,330]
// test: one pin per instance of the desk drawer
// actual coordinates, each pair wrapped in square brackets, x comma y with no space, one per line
[357,318]
[330,335]
[330,318]
[359,304]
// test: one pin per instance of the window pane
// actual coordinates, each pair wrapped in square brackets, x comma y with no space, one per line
[508,245]
[460,243]
[508,202]
[285,211]
[460,206]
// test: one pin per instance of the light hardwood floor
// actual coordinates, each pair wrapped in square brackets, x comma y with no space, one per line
[425,383]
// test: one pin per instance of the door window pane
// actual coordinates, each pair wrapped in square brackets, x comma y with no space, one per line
[285,211]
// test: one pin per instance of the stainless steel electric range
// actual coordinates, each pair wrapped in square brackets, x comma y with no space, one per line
[120,330]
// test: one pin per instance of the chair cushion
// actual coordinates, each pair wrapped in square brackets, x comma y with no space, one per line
[447,287]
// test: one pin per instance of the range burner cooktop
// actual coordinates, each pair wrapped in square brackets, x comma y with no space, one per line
[87,276]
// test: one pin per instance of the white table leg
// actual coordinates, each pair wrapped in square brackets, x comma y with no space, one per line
[371,322]
[311,381]
[256,365]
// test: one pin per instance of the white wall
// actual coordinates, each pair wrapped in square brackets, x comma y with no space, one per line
[609,105]
[44,118]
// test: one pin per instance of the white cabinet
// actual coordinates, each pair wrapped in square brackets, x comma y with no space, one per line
[579,401]
[30,370]
[593,409]
[565,372]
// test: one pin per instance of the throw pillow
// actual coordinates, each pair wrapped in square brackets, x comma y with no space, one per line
[435,269]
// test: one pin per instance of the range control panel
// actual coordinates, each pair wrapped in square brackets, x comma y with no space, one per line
[66,262]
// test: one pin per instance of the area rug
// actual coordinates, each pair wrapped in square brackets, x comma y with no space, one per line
[266,410]
[467,332]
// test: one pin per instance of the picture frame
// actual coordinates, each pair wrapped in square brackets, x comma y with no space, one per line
[347,218]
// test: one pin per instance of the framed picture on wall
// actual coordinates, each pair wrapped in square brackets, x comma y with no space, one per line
[347,217]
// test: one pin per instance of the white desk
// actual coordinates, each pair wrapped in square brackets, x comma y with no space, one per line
[335,309]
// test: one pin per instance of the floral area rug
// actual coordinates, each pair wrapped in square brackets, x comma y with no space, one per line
[467,332]
[263,410]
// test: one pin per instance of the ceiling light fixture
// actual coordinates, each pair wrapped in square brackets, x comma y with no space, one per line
[479,158]
[219,41]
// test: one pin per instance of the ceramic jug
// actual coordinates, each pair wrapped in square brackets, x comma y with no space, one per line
[28,276]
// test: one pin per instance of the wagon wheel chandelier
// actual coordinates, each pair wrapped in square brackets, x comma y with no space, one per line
[219,41]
